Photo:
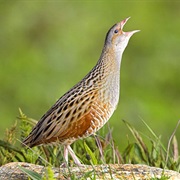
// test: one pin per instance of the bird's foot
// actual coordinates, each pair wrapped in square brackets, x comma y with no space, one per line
[65,165]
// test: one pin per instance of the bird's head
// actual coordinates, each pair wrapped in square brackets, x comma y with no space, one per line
[116,38]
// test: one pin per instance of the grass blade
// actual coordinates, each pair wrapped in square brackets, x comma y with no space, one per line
[91,154]
[32,174]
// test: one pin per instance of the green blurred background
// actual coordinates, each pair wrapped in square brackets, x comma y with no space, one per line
[48,46]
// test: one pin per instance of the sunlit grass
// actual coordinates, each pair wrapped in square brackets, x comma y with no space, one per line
[91,151]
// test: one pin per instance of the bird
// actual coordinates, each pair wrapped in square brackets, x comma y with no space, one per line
[89,104]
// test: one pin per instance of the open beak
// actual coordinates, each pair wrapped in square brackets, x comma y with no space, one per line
[130,33]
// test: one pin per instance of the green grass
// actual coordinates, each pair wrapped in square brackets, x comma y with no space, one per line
[42,59]
[92,150]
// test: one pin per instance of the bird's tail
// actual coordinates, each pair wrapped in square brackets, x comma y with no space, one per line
[28,141]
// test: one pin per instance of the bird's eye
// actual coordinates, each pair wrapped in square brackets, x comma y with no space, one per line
[116,31]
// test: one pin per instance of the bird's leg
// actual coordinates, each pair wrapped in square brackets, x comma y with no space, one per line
[66,154]
[75,158]
[65,164]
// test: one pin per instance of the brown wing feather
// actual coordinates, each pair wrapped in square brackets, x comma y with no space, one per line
[74,131]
